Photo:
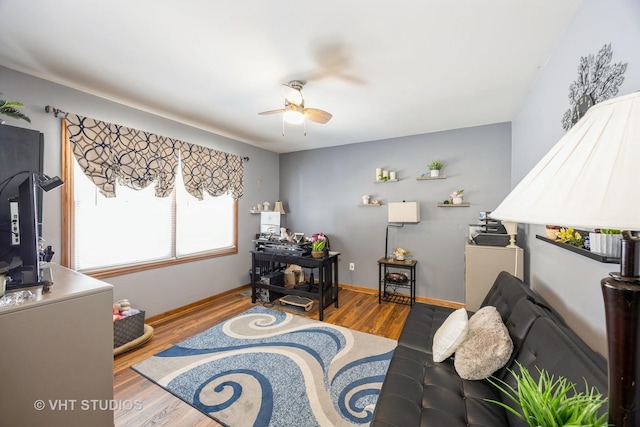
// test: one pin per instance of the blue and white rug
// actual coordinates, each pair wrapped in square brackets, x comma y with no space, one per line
[269,368]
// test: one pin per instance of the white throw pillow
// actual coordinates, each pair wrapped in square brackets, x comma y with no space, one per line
[487,348]
[450,335]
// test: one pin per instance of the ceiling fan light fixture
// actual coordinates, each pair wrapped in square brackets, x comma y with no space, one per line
[293,117]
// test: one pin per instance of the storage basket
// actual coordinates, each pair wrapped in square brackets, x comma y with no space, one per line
[128,329]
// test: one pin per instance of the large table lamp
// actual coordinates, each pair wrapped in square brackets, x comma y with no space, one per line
[590,179]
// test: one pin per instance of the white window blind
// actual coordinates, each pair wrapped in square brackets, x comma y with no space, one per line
[137,227]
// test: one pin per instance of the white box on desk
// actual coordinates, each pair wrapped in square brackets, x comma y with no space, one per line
[270,222]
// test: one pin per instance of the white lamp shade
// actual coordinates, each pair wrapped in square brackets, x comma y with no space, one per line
[279,208]
[404,212]
[590,178]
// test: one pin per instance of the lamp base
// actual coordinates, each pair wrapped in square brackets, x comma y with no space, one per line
[622,309]
[512,241]
[621,294]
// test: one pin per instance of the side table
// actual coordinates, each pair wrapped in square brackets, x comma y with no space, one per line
[387,290]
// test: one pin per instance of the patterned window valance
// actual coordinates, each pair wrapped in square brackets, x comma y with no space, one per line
[213,171]
[109,153]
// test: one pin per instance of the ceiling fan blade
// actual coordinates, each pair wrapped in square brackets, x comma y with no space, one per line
[318,116]
[292,95]
[280,110]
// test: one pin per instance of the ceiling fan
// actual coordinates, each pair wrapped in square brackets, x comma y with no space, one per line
[294,111]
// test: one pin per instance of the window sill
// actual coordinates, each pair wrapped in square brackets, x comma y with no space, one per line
[597,257]
[121,270]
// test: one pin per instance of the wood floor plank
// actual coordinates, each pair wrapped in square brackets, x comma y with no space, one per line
[156,407]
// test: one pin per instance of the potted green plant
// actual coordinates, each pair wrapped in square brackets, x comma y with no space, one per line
[550,401]
[435,167]
[10,109]
[318,244]
[456,196]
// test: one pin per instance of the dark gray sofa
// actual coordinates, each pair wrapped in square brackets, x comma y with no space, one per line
[419,392]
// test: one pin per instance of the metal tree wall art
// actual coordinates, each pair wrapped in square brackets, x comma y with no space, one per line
[597,81]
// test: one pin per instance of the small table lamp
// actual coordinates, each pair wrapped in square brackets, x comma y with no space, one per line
[279,208]
[589,179]
[512,230]
[398,215]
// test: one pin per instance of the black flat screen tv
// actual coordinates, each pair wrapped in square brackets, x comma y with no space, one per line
[29,270]
[20,150]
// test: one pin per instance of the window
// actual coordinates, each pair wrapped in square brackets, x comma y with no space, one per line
[137,230]
[156,219]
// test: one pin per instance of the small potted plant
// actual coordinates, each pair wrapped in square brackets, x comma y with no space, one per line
[435,167]
[456,197]
[606,242]
[571,237]
[551,401]
[551,231]
[401,254]
[10,109]
[318,245]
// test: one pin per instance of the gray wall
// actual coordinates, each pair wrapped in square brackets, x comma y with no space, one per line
[322,188]
[162,289]
[569,281]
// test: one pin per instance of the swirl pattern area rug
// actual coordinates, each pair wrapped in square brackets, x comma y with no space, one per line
[269,368]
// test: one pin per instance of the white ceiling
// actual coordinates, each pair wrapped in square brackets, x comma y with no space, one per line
[383,68]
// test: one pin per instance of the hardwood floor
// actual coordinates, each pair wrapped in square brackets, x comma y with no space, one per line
[155,407]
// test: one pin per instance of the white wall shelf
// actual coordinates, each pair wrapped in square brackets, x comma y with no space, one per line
[427,177]
[451,205]
[580,251]
[259,212]
[370,204]
[378,181]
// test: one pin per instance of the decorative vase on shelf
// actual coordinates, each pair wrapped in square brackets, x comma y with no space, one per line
[317,254]
[435,172]
[399,257]
[551,231]
[457,200]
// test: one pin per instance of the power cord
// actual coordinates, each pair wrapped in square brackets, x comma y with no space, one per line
[8,180]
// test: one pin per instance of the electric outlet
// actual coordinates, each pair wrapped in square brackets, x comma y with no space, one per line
[352,266]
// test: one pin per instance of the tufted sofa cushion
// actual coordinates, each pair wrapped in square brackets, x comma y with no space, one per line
[421,325]
[420,392]
[507,290]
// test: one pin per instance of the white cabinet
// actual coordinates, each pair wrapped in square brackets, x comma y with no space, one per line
[482,266]
[56,362]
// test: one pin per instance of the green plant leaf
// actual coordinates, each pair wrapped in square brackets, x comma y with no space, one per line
[550,401]
[10,109]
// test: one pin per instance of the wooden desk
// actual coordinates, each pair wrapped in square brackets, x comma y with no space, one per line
[264,262]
